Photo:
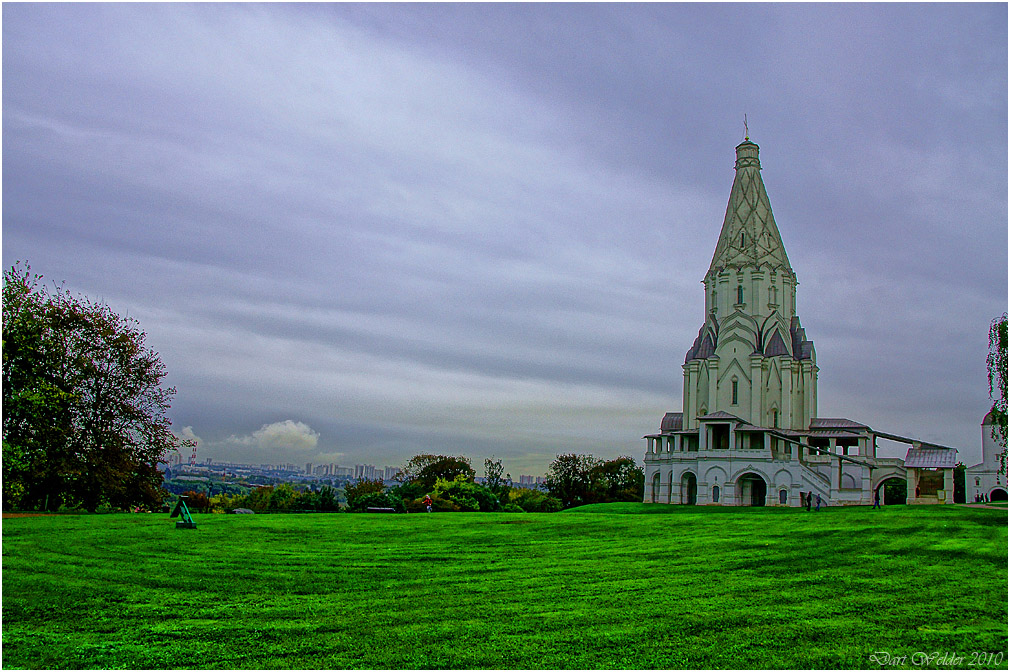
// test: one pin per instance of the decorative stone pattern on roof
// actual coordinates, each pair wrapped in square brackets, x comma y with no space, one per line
[749,212]
[931,458]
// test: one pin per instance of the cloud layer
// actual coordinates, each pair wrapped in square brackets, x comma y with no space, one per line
[481,229]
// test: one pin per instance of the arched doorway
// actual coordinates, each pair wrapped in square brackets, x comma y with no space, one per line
[997,495]
[689,489]
[752,489]
[893,491]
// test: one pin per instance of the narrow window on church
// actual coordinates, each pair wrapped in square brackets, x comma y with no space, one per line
[735,392]
[775,417]
[739,294]
[741,239]
[782,496]
[715,494]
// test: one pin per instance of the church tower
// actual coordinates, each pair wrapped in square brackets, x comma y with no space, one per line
[751,358]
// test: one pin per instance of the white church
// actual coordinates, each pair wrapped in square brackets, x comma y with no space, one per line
[749,433]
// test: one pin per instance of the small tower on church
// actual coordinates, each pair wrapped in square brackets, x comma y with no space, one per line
[751,358]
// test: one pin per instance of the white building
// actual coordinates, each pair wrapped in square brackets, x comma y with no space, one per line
[749,432]
[983,479]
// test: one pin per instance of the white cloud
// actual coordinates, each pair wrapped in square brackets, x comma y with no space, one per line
[185,434]
[287,435]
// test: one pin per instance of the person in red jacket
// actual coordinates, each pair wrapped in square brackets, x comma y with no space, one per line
[427,502]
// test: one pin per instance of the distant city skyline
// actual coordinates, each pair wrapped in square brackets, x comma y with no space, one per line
[359,232]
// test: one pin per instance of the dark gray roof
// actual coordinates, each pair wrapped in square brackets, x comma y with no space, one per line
[832,433]
[776,346]
[672,422]
[931,458]
[704,346]
[835,423]
[802,348]
[720,415]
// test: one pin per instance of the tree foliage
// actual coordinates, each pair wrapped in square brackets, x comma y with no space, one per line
[425,469]
[358,491]
[466,495]
[996,363]
[568,478]
[496,480]
[84,412]
[584,479]
[533,501]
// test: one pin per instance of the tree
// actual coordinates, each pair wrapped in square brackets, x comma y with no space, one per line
[494,481]
[425,469]
[568,478]
[960,491]
[996,363]
[363,493]
[85,415]
[619,480]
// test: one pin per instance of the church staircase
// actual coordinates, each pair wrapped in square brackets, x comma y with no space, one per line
[817,483]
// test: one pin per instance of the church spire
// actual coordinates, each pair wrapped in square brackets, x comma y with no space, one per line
[749,236]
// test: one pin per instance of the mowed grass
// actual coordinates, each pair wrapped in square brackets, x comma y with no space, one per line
[680,587]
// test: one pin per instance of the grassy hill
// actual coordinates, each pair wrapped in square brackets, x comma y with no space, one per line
[677,587]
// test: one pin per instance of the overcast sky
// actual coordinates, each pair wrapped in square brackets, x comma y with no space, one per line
[359,232]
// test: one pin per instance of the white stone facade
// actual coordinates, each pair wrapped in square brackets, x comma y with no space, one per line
[749,433]
[984,479]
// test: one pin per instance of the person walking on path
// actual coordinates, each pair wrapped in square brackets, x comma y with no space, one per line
[427,502]
[876,499]
[810,497]
[818,509]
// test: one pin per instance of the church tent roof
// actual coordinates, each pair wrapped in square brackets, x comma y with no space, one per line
[749,236]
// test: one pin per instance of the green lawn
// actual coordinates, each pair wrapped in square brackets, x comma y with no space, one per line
[591,588]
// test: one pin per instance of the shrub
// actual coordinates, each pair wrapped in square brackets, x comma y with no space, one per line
[512,508]
[197,502]
[363,489]
[534,501]
[381,500]
[467,495]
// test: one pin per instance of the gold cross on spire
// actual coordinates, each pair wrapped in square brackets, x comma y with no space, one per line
[746,133]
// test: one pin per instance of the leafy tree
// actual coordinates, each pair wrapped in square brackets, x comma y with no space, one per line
[996,363]
[284,498]
[197,502]
[960,491]
[360,492]
[466,495]
[258,500]
[425,469]
[323,501]
[895,491]
[85,416]
[493,479]
[533,501]
[619,480]
[569,479]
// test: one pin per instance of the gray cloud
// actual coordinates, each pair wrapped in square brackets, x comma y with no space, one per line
[481,228]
